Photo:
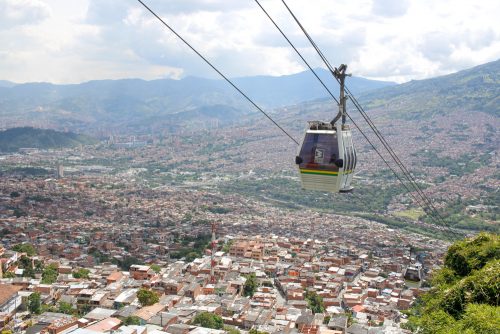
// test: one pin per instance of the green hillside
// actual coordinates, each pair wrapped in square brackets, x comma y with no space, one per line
[465,297]
[475,89]
[12,140]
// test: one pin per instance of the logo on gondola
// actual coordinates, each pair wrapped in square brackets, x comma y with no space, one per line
[319,154]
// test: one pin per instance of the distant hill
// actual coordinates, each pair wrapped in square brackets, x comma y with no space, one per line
[5,83]
[12,140]
[475,89]
[134,101]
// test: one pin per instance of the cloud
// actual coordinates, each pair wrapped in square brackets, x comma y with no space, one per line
[21,12]
[72,41]
[390,8]
[479,39]
[437,46]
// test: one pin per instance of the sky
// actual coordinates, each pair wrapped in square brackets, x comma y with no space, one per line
[72,41]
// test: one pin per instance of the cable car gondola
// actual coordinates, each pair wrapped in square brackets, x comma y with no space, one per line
[326,157]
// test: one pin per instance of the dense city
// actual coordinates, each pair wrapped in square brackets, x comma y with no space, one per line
[82,244]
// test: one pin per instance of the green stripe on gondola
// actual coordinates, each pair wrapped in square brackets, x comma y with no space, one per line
[325,173]
[318,172]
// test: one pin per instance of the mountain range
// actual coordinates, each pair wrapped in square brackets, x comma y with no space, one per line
[474,89]
[137,104]
[13,139]
[140,102]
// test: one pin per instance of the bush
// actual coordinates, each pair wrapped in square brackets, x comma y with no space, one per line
[208,320]
[81,273]
[25,248]
[465,294]
[147,297]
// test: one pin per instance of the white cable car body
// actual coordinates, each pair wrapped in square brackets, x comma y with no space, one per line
[327,158]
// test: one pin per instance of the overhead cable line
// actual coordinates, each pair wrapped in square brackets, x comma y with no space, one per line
[297,51]
[331,94]
[398,162]
[219,72]
[409,177]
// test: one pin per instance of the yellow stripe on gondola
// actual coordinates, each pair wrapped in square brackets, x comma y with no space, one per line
[323,172]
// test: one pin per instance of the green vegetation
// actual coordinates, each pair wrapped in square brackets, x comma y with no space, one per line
[413,214]
[30,171]
[406,225]
[25,248]
[147,297]
[191,252]
[475,89]
[132,320]
[254,331]
[156,268]
[19,212]
[9,274]
[26,264]
[227,246]
[35,303]
[218,209]
[66,308]
[208,320]
[81,273]
[315,302]
[288,193]
[12,140]
[464,297]
[231,330]
[466,164]
[50,274]
[126,262]
[455,213]
[250,285]
[39,198]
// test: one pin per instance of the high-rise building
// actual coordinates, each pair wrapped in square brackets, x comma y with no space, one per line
[59,170]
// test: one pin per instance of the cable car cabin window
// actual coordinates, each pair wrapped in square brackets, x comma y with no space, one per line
[319,151]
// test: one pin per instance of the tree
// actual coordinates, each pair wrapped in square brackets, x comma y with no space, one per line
[18,212]
[208,320]
[50,274]
[464,294]
[25,248]
[250,285]
[15,194]
[315,302]
[254,331]
[228,246]
[81,273]
[147,297]
[191,256]
[156,268]
[132,320]
[231,330]
[66,308]
[34,303]
[9,274]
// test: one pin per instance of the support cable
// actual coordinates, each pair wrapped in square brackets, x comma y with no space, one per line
[219,72]
[398,162]
[331,94]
